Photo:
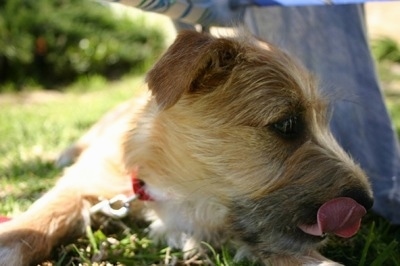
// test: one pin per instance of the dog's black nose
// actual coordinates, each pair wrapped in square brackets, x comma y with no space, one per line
[361,196]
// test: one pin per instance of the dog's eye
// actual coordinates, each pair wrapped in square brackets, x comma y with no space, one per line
[289,127]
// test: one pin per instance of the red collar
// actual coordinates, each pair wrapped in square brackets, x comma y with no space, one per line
[139,189]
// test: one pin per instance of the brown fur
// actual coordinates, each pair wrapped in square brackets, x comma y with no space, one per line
[207,145]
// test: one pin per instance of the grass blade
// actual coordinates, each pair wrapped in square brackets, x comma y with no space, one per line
[367,245]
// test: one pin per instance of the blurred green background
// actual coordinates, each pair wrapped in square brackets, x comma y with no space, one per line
[52,43]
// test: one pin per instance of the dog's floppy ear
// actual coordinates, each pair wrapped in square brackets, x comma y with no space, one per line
[195,62]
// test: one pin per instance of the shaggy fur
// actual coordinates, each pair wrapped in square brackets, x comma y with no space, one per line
[233,145]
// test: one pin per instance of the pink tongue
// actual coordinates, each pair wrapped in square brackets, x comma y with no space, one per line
[341,216]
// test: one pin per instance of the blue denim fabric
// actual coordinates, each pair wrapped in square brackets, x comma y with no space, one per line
[332,42]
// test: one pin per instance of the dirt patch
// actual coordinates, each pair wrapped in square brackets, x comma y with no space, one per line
[25,98]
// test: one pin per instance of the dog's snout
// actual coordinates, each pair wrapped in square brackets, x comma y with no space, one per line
[361,196]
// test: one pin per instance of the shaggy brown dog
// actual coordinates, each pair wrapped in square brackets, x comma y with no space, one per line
[232,145]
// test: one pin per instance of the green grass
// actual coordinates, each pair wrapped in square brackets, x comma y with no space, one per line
[34,129]
[36,126]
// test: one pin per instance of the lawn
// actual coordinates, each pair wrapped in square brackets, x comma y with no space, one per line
[36,126]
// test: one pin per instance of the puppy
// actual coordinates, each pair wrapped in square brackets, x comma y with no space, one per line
[232,145]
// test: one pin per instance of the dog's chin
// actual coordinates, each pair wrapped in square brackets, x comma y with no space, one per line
[286,244]
[261,227]
[302,239]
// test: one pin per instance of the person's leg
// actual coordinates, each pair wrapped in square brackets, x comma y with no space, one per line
[205,12]
[331,41]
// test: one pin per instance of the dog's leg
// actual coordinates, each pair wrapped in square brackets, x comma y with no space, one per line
[63,212]
[58,216]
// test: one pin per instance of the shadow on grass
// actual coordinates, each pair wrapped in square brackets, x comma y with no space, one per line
[35,168]
[22,182]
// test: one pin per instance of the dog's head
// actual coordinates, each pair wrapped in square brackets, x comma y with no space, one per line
[237,124]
